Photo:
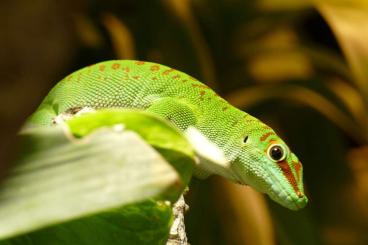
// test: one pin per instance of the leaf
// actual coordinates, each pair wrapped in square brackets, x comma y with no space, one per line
[250,208]
[248,97]
[280,66]
[277,56]
[144,223]
[352,100]
[60,179]
[349,22]
[121,36]
[165,138]
[183,12]
[276,5]
[87,32]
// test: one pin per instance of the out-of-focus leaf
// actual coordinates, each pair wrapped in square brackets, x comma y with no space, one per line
[358,162]
[349,21]
[250,208]
[281,38]
[248,97]
[87,32]
[277,57]
[280,66]
[70,179]
[121,37]
[225,210]
[326,60]
[182,10]
[294,227]
[352,100]
[283,5]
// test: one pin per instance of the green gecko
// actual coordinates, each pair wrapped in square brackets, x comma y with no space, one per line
[238,147]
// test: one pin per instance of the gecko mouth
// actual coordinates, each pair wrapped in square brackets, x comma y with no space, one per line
[278,193]
[274,187]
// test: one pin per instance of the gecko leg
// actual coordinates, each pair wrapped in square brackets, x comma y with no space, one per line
[176,111]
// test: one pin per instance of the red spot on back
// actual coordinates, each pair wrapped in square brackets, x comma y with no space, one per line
[265,136]
[140,63]
[155,68]
[168,71]
[101,67]
[176,76]
[198,85]
[201,94]
[136,77]
[115,66]
[126,69]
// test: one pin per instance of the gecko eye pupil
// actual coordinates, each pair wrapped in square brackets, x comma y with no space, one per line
[276,152]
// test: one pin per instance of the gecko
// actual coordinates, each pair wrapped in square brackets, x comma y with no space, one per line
[243,149]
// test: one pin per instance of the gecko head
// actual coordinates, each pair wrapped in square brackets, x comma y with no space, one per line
[266,163]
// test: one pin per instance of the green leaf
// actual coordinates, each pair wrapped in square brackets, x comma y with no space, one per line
[165,138]
[76,191]
[144,223]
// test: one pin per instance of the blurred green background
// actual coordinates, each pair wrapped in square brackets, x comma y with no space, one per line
[301,66]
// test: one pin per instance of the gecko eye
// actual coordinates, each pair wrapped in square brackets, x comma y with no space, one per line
[276,152]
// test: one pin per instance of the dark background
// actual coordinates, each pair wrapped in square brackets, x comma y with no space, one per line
[292,64]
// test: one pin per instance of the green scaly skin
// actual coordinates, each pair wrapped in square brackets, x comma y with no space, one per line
[244,141]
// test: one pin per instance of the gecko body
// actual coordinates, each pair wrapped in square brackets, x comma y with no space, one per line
[253,153]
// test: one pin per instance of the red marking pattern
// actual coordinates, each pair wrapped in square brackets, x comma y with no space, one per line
[196,85]
[101,67]
[167,71]
[265,136]
[202,93]
[140,63]
[126,69]
[115,66]
[289,176]
[155,68]
[297,167]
